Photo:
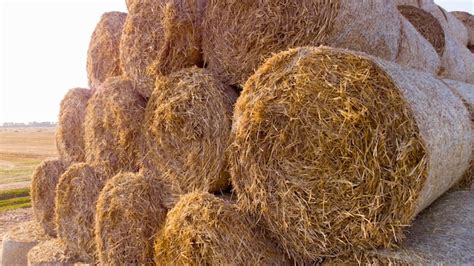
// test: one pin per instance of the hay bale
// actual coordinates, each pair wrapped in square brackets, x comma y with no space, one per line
[19,240]
[130,209]
[160,37]
[337,150]
[103,59]
[52,253]
[468,21]
[70,131]
[112,126]
[188,121]
[76,197]
[43,191]
[241,35]
[466,93]
[203,229]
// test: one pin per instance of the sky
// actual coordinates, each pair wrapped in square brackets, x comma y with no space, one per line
[43,51]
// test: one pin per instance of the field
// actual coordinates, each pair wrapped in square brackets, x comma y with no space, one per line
[21,150]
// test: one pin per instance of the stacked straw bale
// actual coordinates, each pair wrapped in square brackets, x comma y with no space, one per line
[70,131]
[337,150]
[130,209]
[103,57]
[239,36]
[76,197]
[160,37]
[113,125]
[468,21]
[188,121]
[205,230]
[43,191]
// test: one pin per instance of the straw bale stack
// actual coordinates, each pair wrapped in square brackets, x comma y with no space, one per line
[70,131]
[43,191]
[103,59]
[113,123]
[468,20]
[76,197]
[339,151]
[130,209]
[188,121]
[203,229]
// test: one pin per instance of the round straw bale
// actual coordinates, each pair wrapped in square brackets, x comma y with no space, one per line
[240,35]
[468,21]
[43,191]
[112,126]
[70,131]
[466,93]
[131,208]
[188,121]
[426,24]
[76,196]
[19,240]
[203,229]
[52,252]
[103,59]
[161,37]
[337,150]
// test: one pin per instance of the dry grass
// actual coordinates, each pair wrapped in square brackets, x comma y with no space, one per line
[131,208]
[76,197]
[51,252]
[43,192]
[188,122]
[203,229]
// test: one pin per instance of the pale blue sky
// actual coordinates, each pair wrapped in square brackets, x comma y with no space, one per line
[43,48]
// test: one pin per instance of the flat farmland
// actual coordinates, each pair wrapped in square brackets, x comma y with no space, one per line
[21,150]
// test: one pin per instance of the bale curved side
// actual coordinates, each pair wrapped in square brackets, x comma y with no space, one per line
[468,21]
[43,191]
[130,209]
[70,132]
[205,230]
[338,150]
[188,123]
[113,126]
[76,196]
[103,59]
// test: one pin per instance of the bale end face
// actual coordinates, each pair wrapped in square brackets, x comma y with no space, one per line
[130,209]
[328,152]
[188,122]
[43,192]
[76,197]
[205,230]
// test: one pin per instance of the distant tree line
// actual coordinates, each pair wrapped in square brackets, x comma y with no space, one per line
[29,124]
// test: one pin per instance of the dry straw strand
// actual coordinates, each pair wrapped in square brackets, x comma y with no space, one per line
[70,132]
[337,150]
[43,191]
[103,57]
[76,197]
[131,208]
[203,229]
[51,252]
[113,126]
[188,122]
